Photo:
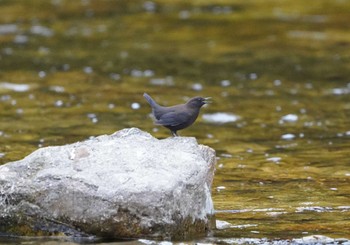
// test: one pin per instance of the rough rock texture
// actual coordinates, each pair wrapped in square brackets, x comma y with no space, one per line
[125,185]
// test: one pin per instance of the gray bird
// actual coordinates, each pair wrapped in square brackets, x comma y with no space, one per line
[176,117]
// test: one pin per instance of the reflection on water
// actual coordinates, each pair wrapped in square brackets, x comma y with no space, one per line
[277,72]
[220,117]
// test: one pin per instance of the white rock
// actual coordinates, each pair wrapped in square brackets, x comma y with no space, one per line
[126,185]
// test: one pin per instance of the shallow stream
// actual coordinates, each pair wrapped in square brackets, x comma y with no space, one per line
[277,71]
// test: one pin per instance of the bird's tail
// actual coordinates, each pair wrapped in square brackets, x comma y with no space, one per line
[150,100]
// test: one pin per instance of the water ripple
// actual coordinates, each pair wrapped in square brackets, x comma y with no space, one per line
[14,86]
[8,29]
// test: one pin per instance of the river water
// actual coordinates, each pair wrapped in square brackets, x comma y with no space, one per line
[277,71]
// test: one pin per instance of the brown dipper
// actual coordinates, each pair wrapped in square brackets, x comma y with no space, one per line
[176,117]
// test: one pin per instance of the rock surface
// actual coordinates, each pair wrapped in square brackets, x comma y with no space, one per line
[125,185]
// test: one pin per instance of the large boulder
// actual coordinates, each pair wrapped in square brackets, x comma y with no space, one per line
[125,185]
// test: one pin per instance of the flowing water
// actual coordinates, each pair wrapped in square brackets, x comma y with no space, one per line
[277,71]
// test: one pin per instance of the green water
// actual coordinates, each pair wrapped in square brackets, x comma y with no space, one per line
[72,69]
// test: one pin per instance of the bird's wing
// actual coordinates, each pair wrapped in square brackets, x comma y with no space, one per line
[173,118]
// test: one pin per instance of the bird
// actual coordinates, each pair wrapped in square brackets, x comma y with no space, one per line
[177,117]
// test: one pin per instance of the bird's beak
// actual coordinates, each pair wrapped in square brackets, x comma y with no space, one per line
[207,100]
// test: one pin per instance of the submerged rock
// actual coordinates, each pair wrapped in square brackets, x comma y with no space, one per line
[125,185]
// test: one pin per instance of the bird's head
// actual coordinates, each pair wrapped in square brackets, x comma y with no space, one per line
[198,102]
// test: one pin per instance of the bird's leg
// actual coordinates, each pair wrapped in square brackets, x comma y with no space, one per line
[174,134]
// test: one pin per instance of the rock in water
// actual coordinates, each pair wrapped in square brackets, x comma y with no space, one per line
[125,185]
